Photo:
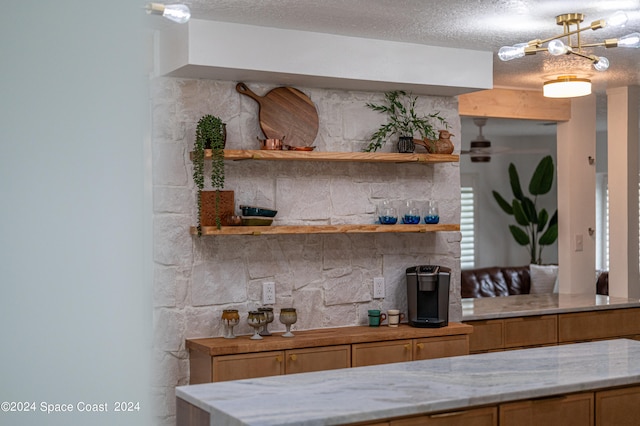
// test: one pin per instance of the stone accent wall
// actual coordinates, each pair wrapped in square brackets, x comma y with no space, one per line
[328,278]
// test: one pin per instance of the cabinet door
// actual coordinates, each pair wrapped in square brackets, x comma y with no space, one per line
[317,359]
[567,410]
[487,335]
[487,416]
[530,331]
[440,347]
[380,352]
[620,407]
[603,324]
[247,366]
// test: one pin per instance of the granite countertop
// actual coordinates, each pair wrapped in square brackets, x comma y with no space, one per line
[539,304]
[410,388]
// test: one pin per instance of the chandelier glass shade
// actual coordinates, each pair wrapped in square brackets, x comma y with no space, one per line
[570,43]
[179,13]
[567,86]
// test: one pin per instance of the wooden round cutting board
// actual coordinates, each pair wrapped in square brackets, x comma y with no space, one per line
[286,112]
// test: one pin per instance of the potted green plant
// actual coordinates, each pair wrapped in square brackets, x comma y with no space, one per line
[534,228]
[403,121]
[210,134]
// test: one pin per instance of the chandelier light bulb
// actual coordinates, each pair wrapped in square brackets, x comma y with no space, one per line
[507,53]
[179,13]
[618,19]
[556,48]
[602,64]
[630,40]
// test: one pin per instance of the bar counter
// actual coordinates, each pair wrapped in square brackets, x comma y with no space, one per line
[418,387]
[521,305]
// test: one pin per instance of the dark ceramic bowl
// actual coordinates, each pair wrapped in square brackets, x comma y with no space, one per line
[257,221]
[257,211]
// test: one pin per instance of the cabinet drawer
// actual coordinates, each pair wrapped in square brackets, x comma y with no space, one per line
[317,359]
[530,331]
[487,416]
[380,352]
[620,407]
[568,410]
[487,335]
[603,324]
[440,347]
[247,366]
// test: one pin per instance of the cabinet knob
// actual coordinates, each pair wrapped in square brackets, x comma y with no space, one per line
[278,358]
[293,357]
[407,346]
[420,345]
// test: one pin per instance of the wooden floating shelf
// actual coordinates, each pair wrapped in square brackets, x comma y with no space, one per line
[323,229]
[357,157]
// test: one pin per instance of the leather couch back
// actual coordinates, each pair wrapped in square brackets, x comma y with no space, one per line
[495,281]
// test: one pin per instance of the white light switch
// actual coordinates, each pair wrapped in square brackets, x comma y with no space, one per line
[579,243]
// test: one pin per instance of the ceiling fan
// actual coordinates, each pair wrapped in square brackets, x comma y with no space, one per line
[481,150]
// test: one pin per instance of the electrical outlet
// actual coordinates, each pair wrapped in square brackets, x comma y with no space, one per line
[269,293]
[378,288]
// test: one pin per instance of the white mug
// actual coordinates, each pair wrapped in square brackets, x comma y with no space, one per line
[394,317]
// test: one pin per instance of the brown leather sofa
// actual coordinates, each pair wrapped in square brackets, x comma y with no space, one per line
[506,281]
[495,281]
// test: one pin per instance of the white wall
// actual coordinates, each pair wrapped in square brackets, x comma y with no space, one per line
[328,278]
[75,300]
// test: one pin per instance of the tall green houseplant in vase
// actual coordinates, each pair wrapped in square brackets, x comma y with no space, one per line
[210,134]
[534,229]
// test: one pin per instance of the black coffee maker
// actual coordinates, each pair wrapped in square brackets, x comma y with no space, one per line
[428,295]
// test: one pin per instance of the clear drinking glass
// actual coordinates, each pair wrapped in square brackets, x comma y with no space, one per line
[387,214]
[410,213]
[432,215]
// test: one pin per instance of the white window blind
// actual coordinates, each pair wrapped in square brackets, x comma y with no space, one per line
[467,228]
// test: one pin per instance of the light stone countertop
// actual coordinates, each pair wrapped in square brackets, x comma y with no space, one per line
[484,308]
[410,388]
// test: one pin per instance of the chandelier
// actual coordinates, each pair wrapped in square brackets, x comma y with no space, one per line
[570,85]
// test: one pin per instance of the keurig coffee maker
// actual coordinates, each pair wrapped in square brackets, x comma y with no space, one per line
[428,295]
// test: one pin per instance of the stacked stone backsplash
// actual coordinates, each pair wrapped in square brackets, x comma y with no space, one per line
[328,278]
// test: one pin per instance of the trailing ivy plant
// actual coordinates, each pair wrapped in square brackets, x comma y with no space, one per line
[402,120]
[534,228]
[210,134]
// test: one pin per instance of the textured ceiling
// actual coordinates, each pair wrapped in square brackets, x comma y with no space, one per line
[478,25]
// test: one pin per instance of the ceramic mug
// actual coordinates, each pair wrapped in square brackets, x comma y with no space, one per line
[376,317]
[395,316]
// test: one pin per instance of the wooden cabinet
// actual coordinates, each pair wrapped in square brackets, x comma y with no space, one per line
[381,352]
[487,416]
[317,359]
[564,410]
[602,324]
[218,359]
[440,347]
[530,331]
[246,366]
[487,335]
[540,330]
[619,407]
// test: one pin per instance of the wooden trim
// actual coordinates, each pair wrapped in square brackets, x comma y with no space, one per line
[357,157]
[517,104]
[321,337]
[323,229]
